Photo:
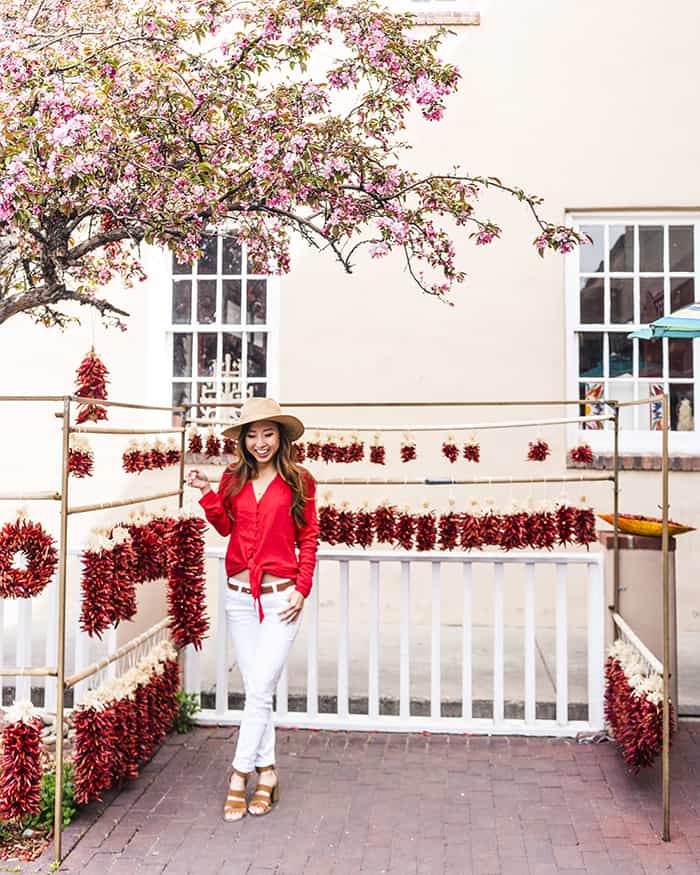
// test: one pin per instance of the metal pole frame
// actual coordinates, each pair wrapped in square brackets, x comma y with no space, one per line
[61,643]
[666,742]
[616,507]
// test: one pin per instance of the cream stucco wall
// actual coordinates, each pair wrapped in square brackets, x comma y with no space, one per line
[590,105]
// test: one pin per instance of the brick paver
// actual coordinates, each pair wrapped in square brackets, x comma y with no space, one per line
[409,804]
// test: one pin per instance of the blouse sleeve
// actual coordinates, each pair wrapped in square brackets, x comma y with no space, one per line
[214,510]
[307,540]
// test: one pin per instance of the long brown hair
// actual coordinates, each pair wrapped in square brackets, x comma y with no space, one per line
[246,468]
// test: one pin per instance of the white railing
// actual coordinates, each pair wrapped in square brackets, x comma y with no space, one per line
[460,584]
[29,638]
[527,588]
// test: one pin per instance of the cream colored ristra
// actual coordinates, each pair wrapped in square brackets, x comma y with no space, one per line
[643,681]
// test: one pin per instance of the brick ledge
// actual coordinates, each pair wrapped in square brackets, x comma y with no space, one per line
[641,462]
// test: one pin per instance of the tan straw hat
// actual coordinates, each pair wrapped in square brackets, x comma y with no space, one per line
[257,409]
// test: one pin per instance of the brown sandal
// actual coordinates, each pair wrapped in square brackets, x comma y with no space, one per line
[235,807]
[265,795]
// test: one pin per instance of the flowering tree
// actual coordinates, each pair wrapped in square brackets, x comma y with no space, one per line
[130,121]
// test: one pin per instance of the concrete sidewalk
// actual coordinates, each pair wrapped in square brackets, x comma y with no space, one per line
[358,802]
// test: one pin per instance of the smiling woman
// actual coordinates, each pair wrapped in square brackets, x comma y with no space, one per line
[266,505]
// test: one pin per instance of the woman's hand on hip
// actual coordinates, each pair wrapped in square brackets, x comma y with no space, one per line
[294,606]
[198,480]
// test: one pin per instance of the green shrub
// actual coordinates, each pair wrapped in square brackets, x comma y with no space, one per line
[44,818]
[188,707]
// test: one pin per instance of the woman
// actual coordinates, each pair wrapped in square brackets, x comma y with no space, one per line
[266,503]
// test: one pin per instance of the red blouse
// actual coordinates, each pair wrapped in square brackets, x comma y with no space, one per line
[264,534]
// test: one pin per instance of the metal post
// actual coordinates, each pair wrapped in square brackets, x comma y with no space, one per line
[61,655]
[616,508]
[666,749]
[183,445]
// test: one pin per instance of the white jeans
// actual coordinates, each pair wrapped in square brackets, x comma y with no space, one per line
[261,651]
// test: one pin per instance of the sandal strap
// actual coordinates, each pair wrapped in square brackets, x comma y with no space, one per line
[261,769]
[236,794]
[240,774]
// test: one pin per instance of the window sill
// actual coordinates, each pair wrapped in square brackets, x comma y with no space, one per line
[202,459]
[639,462]
[448,19]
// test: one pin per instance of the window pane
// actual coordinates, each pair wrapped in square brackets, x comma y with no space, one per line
[620,347]
[591,254]
[650,358]
[681,247]
[682,406]
[180,268]
[623,390]
[232,352]
[206,355]
[182,302]
[651,248]
[621,300]
[591,393]
[182,355]
[651,299]
[232,259]
[592,300]
[206,396]
[680,358]
[257,301]
[206,301]
[257,354]
[231,291]
[590,354]
[621,248]
[181,394]
[259,390]
[682,292]
[207,263]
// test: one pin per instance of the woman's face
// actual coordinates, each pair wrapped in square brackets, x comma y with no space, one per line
[262,441]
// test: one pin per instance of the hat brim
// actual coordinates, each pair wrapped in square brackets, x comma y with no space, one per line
[293,427]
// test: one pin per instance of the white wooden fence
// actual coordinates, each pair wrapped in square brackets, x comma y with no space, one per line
[18,626]
[341,718]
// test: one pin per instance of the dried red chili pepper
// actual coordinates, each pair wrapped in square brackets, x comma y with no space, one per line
[538,450]
[405,528]
[385,523]
[189,623]
[450,450]
[581,454]
[20,770]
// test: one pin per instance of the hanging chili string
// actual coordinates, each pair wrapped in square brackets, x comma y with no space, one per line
[159,458]
[408,449]
[124,564]
[20,764]
[229,446]
[172,453]
[448,528]
[329,449]
[186,584]
[364,527]
[566,520]
[472,451]
[328,524]
[405,528]
[356,449]
[584,526]
[212,448]
[385,523]
[132,458]
[377,452]
[81,459]
[313,448]
[91,382]
[538,450]
[194,444]
[581,454]
[28,558]
[299,452]
[346,525]
[450,450]
[96,584]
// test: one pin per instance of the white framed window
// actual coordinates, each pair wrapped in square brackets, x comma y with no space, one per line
[222,328]
[640,266]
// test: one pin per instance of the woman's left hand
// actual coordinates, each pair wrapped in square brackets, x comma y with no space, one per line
[293,609]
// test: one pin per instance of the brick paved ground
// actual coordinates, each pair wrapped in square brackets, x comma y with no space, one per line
[403,804]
